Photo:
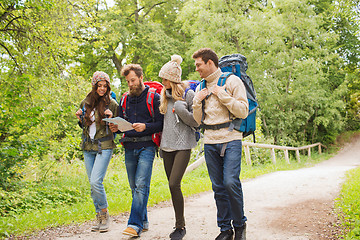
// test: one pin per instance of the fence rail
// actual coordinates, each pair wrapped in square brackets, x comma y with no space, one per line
[247,146]
[286,149]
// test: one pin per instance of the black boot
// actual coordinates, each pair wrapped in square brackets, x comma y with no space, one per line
[240,233]
[225,235]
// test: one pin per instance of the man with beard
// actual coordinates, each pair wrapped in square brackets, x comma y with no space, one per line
[139,147]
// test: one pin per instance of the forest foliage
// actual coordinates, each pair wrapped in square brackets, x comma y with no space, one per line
[303,58]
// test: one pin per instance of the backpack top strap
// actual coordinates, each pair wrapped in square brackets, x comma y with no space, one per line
[150,102]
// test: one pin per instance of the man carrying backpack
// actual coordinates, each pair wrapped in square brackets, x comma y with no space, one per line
[139,146]
[215,107]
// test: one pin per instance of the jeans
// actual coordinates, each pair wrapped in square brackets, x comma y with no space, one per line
[96,165]
[224,172]
[139,163]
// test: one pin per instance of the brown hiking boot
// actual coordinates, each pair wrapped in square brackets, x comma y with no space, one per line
[131,232]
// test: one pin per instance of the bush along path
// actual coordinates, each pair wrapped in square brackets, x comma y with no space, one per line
[296,205]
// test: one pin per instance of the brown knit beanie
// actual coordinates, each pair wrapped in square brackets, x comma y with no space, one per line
[172,70]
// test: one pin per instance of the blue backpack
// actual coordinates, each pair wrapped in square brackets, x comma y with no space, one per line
[192,84]
[236,64]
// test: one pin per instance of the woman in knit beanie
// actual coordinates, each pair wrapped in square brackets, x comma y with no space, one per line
[178,135]
[98,142]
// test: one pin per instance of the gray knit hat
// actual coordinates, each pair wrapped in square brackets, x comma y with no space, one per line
[172,70]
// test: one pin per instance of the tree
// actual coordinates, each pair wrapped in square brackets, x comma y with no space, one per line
[142,32]
[286,49]
[35,47]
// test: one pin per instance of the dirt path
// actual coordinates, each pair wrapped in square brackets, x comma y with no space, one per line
[294,205]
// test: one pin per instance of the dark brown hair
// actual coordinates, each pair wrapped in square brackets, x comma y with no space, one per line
[132,67]
[101,103]
[206,54]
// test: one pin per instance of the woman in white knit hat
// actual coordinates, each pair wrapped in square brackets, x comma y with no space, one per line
[178,135]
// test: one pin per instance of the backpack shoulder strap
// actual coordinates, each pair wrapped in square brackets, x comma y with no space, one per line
[123,104]
[224,76]
[82,117]
[202,84]
[150,101]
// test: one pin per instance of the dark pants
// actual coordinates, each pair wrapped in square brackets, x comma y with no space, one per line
[224,172]
[175,164]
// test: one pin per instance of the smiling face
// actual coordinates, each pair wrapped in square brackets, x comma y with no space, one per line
[204,69]
[101,88]
[166,83]
[134,83]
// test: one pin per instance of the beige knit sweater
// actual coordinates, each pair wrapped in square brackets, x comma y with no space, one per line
[228,105]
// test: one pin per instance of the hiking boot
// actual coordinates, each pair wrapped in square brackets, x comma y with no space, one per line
[104,221]
[95,228]
[225,235]
[240,233]
[131,232]
[178,234]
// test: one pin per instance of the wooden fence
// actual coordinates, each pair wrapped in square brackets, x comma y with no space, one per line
[247,146]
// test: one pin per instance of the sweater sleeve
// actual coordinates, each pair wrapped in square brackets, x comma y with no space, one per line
[197,107]
[184,109]
[234,98]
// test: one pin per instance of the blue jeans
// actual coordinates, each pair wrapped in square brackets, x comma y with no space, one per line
[96,165]
[224,172]
[139,163]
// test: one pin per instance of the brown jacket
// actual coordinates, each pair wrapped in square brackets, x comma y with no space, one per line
[100,130]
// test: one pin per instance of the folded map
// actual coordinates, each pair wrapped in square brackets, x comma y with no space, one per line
[123,125]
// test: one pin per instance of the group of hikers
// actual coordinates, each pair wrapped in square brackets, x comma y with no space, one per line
[176,112]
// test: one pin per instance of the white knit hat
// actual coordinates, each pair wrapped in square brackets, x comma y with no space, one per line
[172,70]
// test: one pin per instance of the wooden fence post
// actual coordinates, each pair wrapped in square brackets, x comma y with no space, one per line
[247,155]
[273,155]
[286,153]
[298,155]
[319,148]
[309,152]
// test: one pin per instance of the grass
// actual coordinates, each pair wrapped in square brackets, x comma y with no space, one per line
[348,205]
[118,192]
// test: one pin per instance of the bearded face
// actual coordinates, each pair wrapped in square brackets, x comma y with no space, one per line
[136,89]
[135,84]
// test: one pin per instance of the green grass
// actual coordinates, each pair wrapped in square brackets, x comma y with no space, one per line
[118,192]
[348,205]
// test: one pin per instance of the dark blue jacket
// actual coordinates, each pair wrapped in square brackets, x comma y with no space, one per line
[137,112]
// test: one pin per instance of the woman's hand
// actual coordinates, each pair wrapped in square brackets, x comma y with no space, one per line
[78,114]
[113,127]
[108,113]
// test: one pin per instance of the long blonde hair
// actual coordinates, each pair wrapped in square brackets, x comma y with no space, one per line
[177,93]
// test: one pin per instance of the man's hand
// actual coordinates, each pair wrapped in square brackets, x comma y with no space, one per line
[108,113]
[113,127]
[201,95]
[139,127]
[216,89]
